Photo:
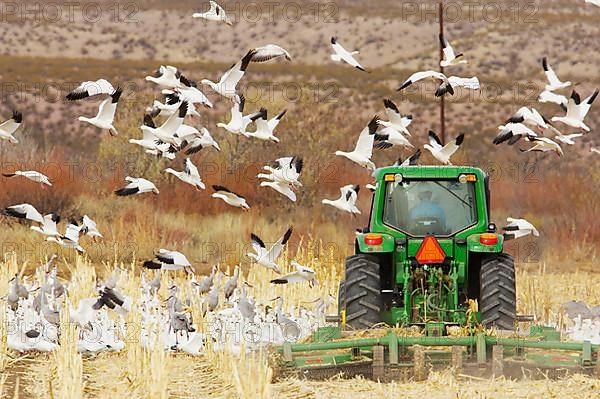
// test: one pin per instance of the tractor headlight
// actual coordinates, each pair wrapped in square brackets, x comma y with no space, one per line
[462,179]
[398,178]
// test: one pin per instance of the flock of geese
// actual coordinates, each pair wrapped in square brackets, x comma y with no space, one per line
[165,134]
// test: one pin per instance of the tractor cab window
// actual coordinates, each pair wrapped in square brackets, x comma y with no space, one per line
[421,207]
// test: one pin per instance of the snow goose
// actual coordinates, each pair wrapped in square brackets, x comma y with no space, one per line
[301,275]
[389,137]
[190,93]
[106,113]
[282,188]
[239,122]
[216,13]
[450,58]
[169,260]
[396,120]
[31,175]
[512,132]
[148,141]
[10,126]
[189,175]
[170,106]
[136,186]
[230,197]
[347,200]
[24,211]
[529,117]
[364,146]
[410,161]
[577,111]
[226,86]
[197,141]
[90,228]
[594,2]
[341,54]
[265,129]
[448,83]
[443,153]
[550,97]
[269,52]
[48,226]
[166,133]
[265,257]
[567,138]
[70,239]
[166,76]
[553,82]
[595,150]
[518,228]
[91,89]
[284,170]
[544,144]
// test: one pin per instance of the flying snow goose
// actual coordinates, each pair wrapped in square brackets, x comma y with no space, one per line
[518,228]
[301,275]
[189,175]
[136,186]
[148,141]
[284,170]
[171,106]
[10,126]
[364,146]
[106,113]
[282,188]
[230,197]
[567,138]
[529,117]
[265,129]
[550,97]
[24,211]
[443,153]
[265,257]
[341,54]
[196,142]
[91,89]
[166,76]
[389,137]
[544,144]
[396,120]
[595,150]
[269,52]
[31,175]
[577,111]
[450,58]
[166,133]
[239,122]
[512,132]
[448,83]
[48,226]
[169,260]
[70,239]
[190,93]
[226,86]
[553,82]
[216,13]
[347,200]
[410,161]
[594,2]
[90,228]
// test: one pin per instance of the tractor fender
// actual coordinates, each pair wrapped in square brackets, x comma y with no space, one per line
[474,244]
[387,245]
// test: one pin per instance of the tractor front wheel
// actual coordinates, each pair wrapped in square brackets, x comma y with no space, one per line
[497,295]
[362,292]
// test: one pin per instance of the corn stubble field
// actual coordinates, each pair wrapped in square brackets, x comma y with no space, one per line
[328,105]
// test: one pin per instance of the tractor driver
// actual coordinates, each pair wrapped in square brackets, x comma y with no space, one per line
[426,208]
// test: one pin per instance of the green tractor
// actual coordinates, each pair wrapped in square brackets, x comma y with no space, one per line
[430,250]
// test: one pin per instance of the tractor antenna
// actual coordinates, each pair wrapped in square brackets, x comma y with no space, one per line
[442,104]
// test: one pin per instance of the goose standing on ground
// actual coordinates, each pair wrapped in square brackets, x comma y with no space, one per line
[239,122]
[448,83]
[450,58]
[48,226]
[512,132]
[302,274]
[202,139]
[90,228]
[577,111]
[396,120]
[265,257]
[284,170]
[106,113]
[269,52]
[226,86]
[265,129]
[31,175]
[10,126]
[544,144]
[166,133]
[166,76]
[230,197]
[341,54]
[136,186]
[554,83]
[216,13]
[518,228]
[91,89]
[364,146]
[282,188]
[189,175]
[347,200]
[169,260]
[24,211]
[71,238]
[443,153]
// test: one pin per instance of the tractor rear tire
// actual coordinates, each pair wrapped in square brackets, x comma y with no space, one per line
[341,297]
[497,295]
[362,289]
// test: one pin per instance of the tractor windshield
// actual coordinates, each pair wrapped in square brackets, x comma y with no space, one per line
[421,207]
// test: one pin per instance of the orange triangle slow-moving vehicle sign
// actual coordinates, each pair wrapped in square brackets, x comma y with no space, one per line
[430,252]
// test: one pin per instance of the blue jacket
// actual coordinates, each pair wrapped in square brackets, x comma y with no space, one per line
[428,209]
